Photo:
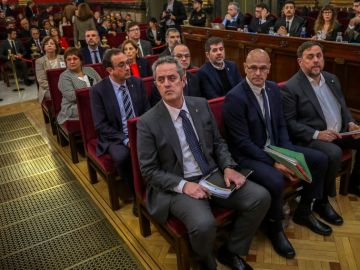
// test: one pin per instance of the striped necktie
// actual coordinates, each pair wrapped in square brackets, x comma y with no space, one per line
[127,102]
[267,116]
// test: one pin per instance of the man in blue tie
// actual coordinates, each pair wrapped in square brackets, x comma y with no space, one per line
[114,100]
[93,53]
[254,119]
[178,144]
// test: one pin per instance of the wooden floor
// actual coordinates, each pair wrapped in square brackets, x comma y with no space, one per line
[334,252]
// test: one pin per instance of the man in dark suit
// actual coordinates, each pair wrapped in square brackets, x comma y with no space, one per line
[93,53]
[254,119]
[114,100]
[35,39]
[217,76]
[262,19]
[234,19]
[353,30]
[290,24]
[316,114]
[192,86]
[172,38]
[18,51]
[24,31]
[172,162]
[133,32]
[173,15]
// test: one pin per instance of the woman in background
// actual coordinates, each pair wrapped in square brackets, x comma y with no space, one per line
[75,76]
[55,34]
[139,66]
[326,25]
[83,21]
[154,33]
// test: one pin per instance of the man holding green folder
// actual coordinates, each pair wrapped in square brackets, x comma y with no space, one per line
[254,119]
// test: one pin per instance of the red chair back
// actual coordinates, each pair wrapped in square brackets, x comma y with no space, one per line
[216,108]
[115,41]
[68,31]
[100,69]
[56,96]
[87,127]
[148,84]
[193,70]
[151,58]
[281,84]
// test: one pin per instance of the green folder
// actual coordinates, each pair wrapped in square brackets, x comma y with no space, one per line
[291,159]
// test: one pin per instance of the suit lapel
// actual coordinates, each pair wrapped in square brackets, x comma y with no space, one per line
[195,113]
[309,92]
[132,90]
[166,124]
[272,105]
[254,102]
[215,77]
[112,100]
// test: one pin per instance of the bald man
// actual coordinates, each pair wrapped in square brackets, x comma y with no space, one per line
[254,118]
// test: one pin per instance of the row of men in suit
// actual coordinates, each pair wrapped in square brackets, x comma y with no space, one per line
[172,182]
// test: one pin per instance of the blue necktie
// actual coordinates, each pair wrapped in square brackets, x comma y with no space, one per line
[95,57]
[267,116]
[194,144]
[127,102]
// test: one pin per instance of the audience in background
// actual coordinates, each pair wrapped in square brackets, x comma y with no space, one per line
[172,38]
[133,32]
[93,52]
[234,19]
[74,77]
[262,19]
[29,10]
[24,31]
[62,41]
[50,60]
[326,25]
[173,14]
[198,15]
[83,22]
[35,40]
[353,30]
[154,33]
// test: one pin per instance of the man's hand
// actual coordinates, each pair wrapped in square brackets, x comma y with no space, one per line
[354,21]
[232,176]
[352,127]
[196,191]
[228,17]
[282,31]
[286,171]
[328,135]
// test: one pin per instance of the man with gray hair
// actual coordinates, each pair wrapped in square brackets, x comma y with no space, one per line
[171,160]
[172,38]
[234,19]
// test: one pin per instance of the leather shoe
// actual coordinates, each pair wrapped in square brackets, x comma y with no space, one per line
[327,213]
[310,221]
[235,262]
[281,244]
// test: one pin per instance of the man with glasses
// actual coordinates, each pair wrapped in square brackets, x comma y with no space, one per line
[114,100]
[254,119]
[217,76]
[172,162]
[133,32]
[35,39]
[192,88]
[353,30]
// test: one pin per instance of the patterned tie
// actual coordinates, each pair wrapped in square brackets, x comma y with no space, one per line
[267,116]
[127,102]
[95,57]
[288,26]
[194,144]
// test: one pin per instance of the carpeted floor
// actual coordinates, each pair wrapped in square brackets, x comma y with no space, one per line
[47,220]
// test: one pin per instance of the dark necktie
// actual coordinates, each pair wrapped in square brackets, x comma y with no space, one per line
[13,46]
[127,102]
[267,116]
[37,42]
[288,26]
[194,144]
[95,57]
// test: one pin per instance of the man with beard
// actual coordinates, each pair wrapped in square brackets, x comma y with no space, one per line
[93,53]
[172,38]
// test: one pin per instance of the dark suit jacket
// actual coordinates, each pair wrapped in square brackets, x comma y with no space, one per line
[331,36]
[296,25]
[245,123]
[302,109]
[255,27]
[192,88]
[160,155]
[210,82]
[239,23]
[87,54]
[151,38]
[144,67]
[5,46]
[106,112]
[165,52]
[146,47]
[179,12]
[28,50]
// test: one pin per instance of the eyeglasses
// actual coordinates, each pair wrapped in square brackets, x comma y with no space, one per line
[180,56]
[170,78]
[327,12]
[122,64]
[262,69]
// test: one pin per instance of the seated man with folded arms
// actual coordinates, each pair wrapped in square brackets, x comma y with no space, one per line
[262,19]
[192,88]
[316,114]
[353,30]
[234,19]
[178,144]
[254,119]
[217,76]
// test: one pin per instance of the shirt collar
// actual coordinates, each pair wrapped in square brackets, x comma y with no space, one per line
[218,68]
[174,112]
[255,89]
[314,83]
[116,85]
[290,21]
[91,50]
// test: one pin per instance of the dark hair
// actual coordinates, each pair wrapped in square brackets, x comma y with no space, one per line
[289,2]
[10,30]
[153,20]
[84,12]
[168,60]
[263,5]
[128,41]
[46,40]
[170,30]
[307,45]
[319,23]
[73,51]
[212,41]
[130,24]
[107,57]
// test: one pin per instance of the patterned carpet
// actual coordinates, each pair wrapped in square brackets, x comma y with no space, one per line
[47,220]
